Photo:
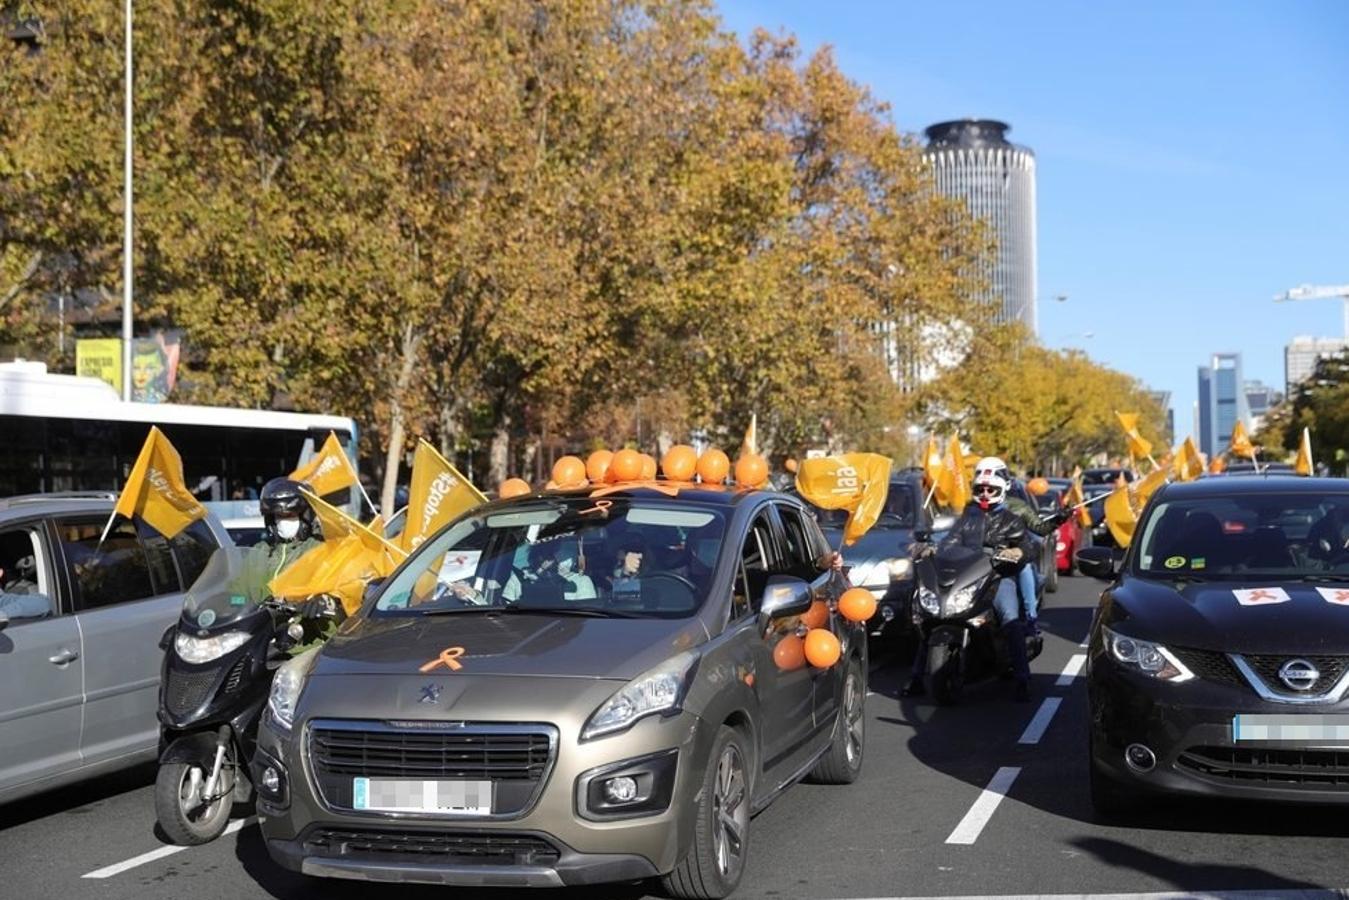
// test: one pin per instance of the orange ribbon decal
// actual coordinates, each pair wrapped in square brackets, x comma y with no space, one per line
[449,658]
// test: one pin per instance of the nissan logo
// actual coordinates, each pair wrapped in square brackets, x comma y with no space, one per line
[1299,674]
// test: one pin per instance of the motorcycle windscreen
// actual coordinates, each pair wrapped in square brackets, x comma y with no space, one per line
[230,587]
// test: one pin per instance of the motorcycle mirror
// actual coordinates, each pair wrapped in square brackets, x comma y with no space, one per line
[1097,562]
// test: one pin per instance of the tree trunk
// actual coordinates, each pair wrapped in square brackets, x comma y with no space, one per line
[393,453]
[499,455]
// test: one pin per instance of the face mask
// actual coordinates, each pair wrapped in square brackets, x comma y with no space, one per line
[287,529]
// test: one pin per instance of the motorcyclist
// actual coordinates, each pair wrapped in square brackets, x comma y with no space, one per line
[288,534]
[999,523]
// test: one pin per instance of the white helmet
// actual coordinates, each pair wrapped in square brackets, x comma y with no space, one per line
[991,481]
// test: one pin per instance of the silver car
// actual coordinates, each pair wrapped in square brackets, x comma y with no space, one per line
[80,624]
[566,689]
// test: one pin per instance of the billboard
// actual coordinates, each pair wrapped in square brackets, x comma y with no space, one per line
[154,363]
[100,358]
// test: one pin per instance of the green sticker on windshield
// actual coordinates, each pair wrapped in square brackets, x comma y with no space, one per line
[1175,562]
[1197,562]
[238,600]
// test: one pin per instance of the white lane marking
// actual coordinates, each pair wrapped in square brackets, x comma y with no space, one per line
[1036,729]
[1085,642]
[967,832]
[1290,894]
[169,850]
[1071,670]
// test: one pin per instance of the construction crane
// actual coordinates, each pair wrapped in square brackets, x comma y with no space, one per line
[1318,292]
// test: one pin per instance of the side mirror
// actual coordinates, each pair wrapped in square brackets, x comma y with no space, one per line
[922,534]
[784,596]
[943,523]
[1098,562]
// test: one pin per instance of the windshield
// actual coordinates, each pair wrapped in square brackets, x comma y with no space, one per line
[1290,535]
[568,555]
[226,589]
[1049,501]
[900,511]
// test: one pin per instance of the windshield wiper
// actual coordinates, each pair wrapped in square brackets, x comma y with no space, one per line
[584,611]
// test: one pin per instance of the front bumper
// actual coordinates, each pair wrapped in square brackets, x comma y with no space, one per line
[1189,729]
[549,841]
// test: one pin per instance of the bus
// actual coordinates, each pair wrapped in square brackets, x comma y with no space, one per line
[72,433]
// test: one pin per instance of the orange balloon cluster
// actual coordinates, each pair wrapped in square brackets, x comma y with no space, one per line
[569,472]
[597,465]
[680,463]
[648,467]
[713,466]
[857,604]
[1038,486]
[790,653]
[751,470]
[816,616]
[822,648]
[512,487]
[626,465]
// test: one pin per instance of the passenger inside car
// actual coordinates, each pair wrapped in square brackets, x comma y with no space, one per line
[21,597]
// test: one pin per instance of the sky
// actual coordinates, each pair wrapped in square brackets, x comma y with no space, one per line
[1192,157]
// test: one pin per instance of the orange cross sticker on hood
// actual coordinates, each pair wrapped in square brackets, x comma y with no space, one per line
[449,658]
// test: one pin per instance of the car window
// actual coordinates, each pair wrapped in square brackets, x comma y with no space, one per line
[159,560]
[115,571]
[192,549]
[803,558]
[756,561]
[25,595]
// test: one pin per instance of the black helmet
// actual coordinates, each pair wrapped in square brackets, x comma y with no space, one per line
[281,499]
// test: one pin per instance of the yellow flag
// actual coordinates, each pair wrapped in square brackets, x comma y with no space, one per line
[349,557]
[328,471]
[1077,498]
[1120,517]
[438,495]
[956,473]
[1241,441]
[155,492]
[1188,464]
[751,442]
[1143,490]
[1138,445]
[857,482]
[932,462]
[1304,465]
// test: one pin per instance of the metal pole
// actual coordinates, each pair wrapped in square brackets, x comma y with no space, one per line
[126,217]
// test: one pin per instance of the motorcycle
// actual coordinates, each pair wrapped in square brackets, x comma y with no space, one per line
[955,590]
[219,660]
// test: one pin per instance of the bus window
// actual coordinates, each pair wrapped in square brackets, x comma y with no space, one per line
[21,452]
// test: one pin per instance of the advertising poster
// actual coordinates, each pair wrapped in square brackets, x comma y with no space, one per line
[154,366]
[100,358]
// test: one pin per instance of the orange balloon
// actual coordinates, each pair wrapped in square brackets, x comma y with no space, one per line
[713,466]
[1038,486]
[597,465]
[822,648]
[790,653]
[513,487]
[857,604]
[569,471]
[680,463]
[648,467]
[816,616]
[626,465]
[790,465]
[751,470]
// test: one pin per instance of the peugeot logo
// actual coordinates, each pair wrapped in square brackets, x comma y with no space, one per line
[1299,674]
[431,693]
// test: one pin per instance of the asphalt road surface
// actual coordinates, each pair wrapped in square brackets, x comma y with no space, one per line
[985,799]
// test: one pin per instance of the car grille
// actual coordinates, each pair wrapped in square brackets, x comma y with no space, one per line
[1310,769]
[451,847]
[185,692]
[515,759]
[1267,667]
[1209,665]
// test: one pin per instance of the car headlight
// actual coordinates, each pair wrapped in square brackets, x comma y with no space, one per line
[1144,656]
[961,600]
[929,601]
[658,690]
[202,650]
[900,567]
[286,687]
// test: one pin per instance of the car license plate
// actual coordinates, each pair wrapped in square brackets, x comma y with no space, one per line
[467,798]
[1292,729]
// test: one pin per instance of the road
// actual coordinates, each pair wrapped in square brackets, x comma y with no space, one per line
[986,799]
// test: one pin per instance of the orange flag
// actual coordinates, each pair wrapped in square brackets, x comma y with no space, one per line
[1241,441]
[155,492]
[1304,464]
[438,494]
[328,471]
[857,482]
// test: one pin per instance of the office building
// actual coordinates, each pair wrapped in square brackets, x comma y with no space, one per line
[973,160]
[1260,399]
[1222,402]
[1300,356]
[1163,400]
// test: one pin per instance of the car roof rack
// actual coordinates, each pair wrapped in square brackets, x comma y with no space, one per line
[58,495]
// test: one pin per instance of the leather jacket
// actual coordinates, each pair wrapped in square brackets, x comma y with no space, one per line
[1009,524]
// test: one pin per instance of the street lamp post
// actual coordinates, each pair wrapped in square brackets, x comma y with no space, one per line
[126,215]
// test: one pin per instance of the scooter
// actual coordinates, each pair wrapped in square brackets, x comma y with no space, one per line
[955,590]
[219,660]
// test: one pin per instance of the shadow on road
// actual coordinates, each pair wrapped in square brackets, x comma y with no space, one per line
[85,798]
[1184,876]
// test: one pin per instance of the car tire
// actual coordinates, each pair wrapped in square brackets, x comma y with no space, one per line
[1071,569]
[178,825]
[1052,581]
[712,868]
[842,764]
[943,668]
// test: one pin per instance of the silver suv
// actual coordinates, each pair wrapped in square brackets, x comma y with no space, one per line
[80,625]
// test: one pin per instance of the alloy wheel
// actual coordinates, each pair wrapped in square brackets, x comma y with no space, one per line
[730,811]
[856,724]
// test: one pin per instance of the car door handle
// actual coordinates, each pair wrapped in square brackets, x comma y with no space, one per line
[63,657]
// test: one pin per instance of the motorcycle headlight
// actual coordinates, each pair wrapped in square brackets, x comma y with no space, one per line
[929,601]
[287,685]
[202,650]
[659,690]
[1151,659]
[899,567]
[961,600]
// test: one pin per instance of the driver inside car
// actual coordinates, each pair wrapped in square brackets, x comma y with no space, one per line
[552,570]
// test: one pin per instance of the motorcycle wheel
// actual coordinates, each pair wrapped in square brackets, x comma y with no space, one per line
[185,820]
[943,664]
